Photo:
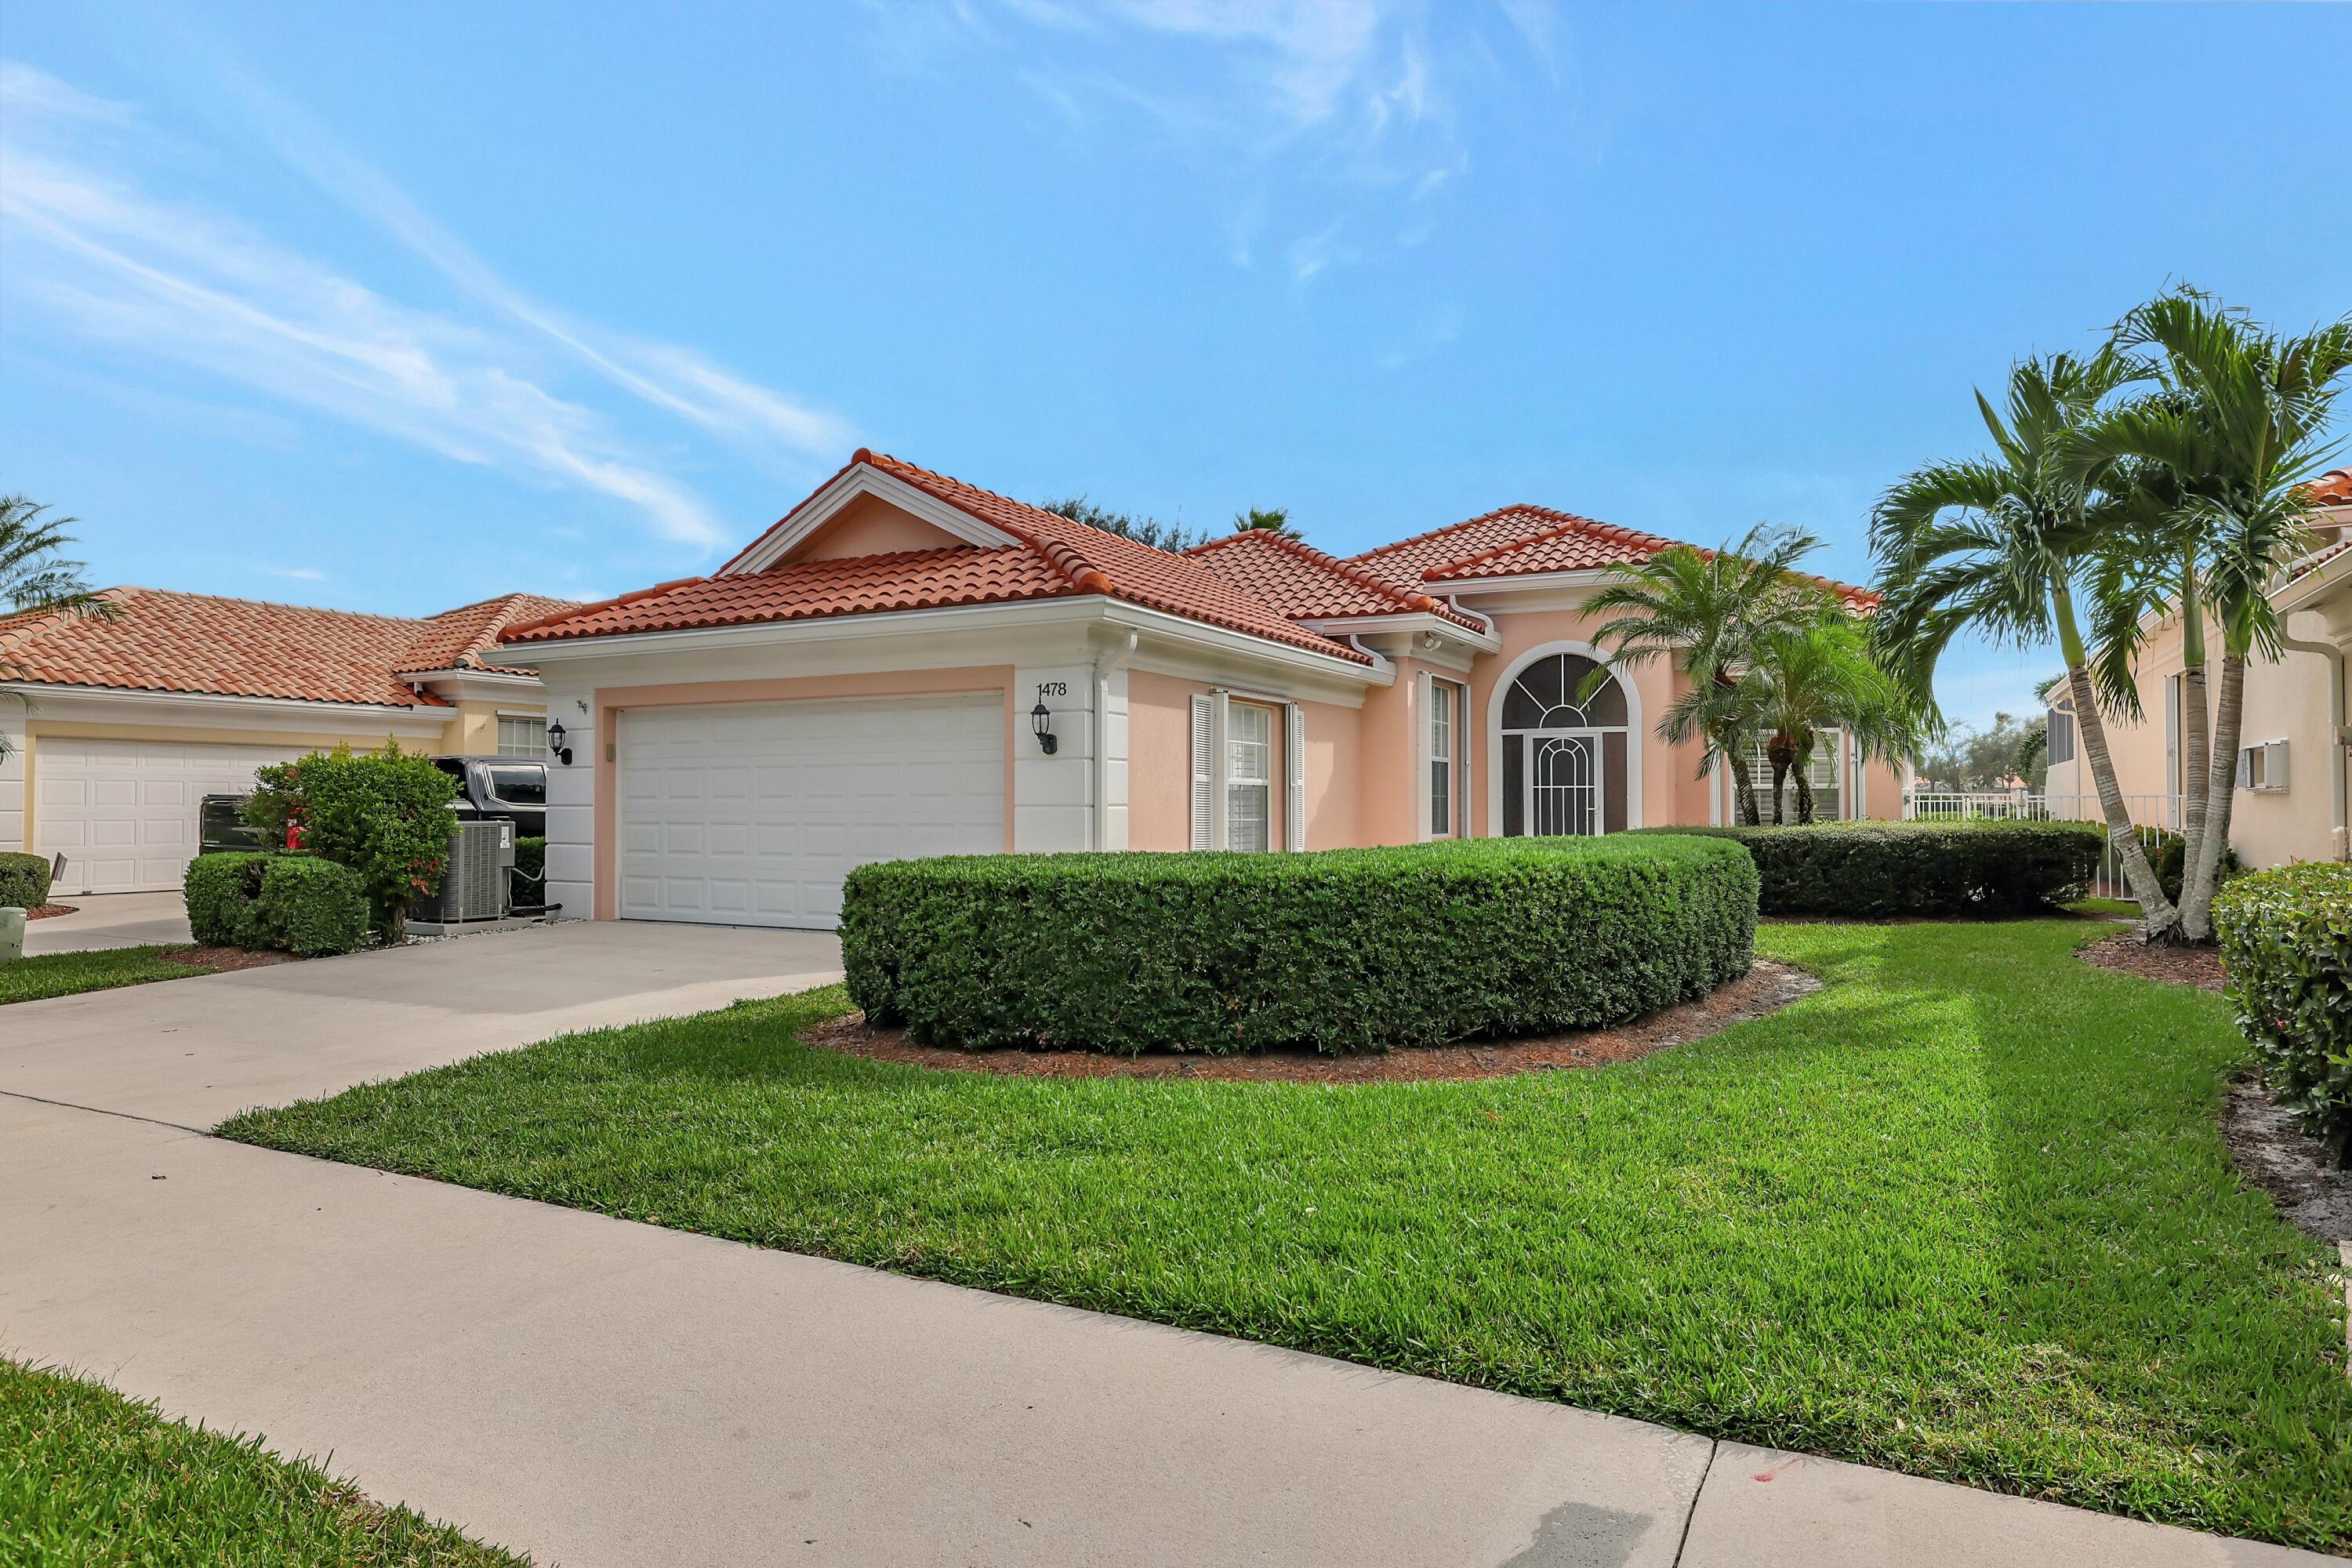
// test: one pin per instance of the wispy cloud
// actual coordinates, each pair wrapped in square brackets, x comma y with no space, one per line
[94,252]
[298,573]
[1333,103]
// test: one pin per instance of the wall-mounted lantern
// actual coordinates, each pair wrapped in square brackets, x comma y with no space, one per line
[1040,723]
[555,743]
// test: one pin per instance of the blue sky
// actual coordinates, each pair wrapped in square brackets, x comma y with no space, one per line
[395,307]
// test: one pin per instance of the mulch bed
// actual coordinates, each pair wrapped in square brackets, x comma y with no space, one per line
[1763,989]
[43,911]
[220,958]
[2126,954]
[2273,1154]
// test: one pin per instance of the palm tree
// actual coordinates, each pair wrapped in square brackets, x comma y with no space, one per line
[1269,520]
[2222,447]
[34,576]
[1705,609]
[2001,545]
[1821,673]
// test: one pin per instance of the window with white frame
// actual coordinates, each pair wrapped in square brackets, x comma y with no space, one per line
[1444,709]
[2062,736]
[1249,777]
[521,735]
[1823,774]
[2263,767]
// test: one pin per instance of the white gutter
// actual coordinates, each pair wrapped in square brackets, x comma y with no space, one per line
[1105,666]
[315,710]
[2339,735]
[1381,665]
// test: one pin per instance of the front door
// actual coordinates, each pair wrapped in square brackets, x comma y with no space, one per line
[1561,776]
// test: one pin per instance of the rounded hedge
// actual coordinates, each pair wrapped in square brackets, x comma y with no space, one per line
[2286,943]
[1339,950]
[23,880]
[258,898]
[1871,870]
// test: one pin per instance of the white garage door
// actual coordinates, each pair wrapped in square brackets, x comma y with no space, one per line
[753,813]
[123,812]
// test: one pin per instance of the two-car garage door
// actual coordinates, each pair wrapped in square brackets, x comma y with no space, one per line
[752,814]
[123,812]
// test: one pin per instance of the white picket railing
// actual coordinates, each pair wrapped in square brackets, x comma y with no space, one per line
[2151,814]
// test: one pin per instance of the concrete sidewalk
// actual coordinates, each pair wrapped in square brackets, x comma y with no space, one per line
[197,1051]
[112,919]
[597,1391]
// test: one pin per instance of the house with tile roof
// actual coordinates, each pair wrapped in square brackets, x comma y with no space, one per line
[2291,761]
[133,717]
[908,665]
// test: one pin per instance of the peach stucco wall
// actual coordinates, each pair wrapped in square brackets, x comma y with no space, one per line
[1160,767]
[871,526]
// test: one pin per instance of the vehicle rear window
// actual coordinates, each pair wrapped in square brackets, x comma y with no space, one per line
[519,785]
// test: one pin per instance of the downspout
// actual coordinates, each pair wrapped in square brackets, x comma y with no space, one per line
[2337,736]
[1381,664]
[1098,768]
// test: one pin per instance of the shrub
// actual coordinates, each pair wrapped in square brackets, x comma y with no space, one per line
[530,856]
[1875,869]
[310,907]
[23,880]
[383,813]
[220,890]
[2286,942]
[2170,859]
[1341,951]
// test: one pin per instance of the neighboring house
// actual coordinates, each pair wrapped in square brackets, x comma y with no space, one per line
[136,717]
[906,665]
[2291,763]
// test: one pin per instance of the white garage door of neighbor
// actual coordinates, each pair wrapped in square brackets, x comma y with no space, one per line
[123,812]
[752,814]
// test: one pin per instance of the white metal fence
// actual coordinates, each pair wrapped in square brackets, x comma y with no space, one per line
[2150,814]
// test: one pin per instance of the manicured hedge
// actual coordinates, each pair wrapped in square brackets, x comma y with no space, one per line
[1876,869]
[220,890]
[2286,942]
[297,903]
[530,856]
[23,880]
[1342,950]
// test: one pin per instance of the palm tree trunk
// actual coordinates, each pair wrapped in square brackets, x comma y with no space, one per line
[1780,790]
[2156,914]
[2198,879]
[1804,797]
[1744,782]
[2194,787]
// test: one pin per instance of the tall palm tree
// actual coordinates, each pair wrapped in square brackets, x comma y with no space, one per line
[34,576]
[1705,610]
[1822,673]
[2001,545]
[2224,443]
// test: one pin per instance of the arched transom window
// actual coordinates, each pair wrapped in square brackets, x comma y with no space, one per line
[1564,753]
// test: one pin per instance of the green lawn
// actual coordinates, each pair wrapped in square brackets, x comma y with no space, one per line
[63,974]
[88,1477]
[1963,1213]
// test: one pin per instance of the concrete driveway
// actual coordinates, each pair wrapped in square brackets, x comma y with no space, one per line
[110,920]
[594,1391]
[195,1052]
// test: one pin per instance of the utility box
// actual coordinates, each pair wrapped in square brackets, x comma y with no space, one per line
[473,889]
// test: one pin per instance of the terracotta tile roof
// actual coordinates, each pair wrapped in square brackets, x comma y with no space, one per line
[457,639]
[2333,488]
[196,643]
[1059,559]
[1306,584]
[1408,562]
[858,585]
[1520,541]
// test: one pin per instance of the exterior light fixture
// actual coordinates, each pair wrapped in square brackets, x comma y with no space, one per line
[1040,721]
[555,743]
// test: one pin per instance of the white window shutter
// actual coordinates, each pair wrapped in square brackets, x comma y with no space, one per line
[1294,794]
[2274,765]
[1202,797]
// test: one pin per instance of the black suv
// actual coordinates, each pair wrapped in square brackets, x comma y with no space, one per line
[491,788]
